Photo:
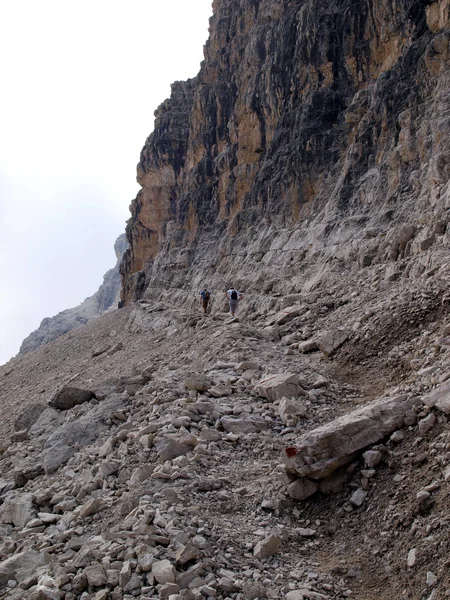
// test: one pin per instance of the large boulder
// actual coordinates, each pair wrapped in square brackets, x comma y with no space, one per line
[29,416]
[331,341]
[68,397]
[47,422]
[17,509]
[276,387]
[66,440]
[70,437]
[21,566]
[243,425]
[318,453]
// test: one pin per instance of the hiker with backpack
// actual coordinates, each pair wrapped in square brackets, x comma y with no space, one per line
[233,297]
[205,297]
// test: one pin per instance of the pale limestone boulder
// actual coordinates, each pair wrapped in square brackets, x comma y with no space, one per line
[66,440]
[109,467]
[287,314]
[96,575]
[186,553]
[290,410]
[253,590]
[168,589]
[17,509]
[372,458]
[48,420]
[321,451]
[198,383]
[243,425]
[21,566]
[169,448]
[91,507]
[305,594]
[302,488]
[164,571]
[440,398]
[276,387]
[331,341]
[29,416]
[140,474]
[46,589]
[267,547]
[358,497]
[308,346]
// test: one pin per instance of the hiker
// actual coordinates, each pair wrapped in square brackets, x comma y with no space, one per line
[233,296]
[204,299]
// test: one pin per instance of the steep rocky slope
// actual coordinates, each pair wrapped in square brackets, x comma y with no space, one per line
[172,480]
[105,298]
[313,142]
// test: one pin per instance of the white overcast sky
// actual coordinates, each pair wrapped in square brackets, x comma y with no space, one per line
[80,81]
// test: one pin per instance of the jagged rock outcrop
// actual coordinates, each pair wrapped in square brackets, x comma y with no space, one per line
[105,298]
[312,141]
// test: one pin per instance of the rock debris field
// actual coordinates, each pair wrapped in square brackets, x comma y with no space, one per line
[299,453]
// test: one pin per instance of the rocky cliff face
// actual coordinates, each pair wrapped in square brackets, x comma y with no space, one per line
[105,298]
[314,141]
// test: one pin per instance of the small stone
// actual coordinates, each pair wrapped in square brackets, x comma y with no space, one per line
[208,591]
[425,425]
[91,507]
[253,590]
[397,436]
[168,589]
[422,496]
[267,547]
[300,489]
[358,497]
[110,467]
[431,578]
[447,473]
[187,553]
[305,532]
[372,458]
[411,560]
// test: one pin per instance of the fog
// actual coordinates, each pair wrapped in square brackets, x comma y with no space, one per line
[80,82]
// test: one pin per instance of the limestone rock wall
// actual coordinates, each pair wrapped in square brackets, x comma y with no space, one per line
[105,298]
[313,143]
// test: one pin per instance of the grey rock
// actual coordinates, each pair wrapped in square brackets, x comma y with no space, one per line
[358,497]
[276,387]
[17,509]
[96,575]
[425,425]
[21,566]
[372,458]
[164,572]
[29,416]
[330,342]
[440,398]
[323,450]
[68,397]
[300,489]
[169,448]
[267,547]
[238,425]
